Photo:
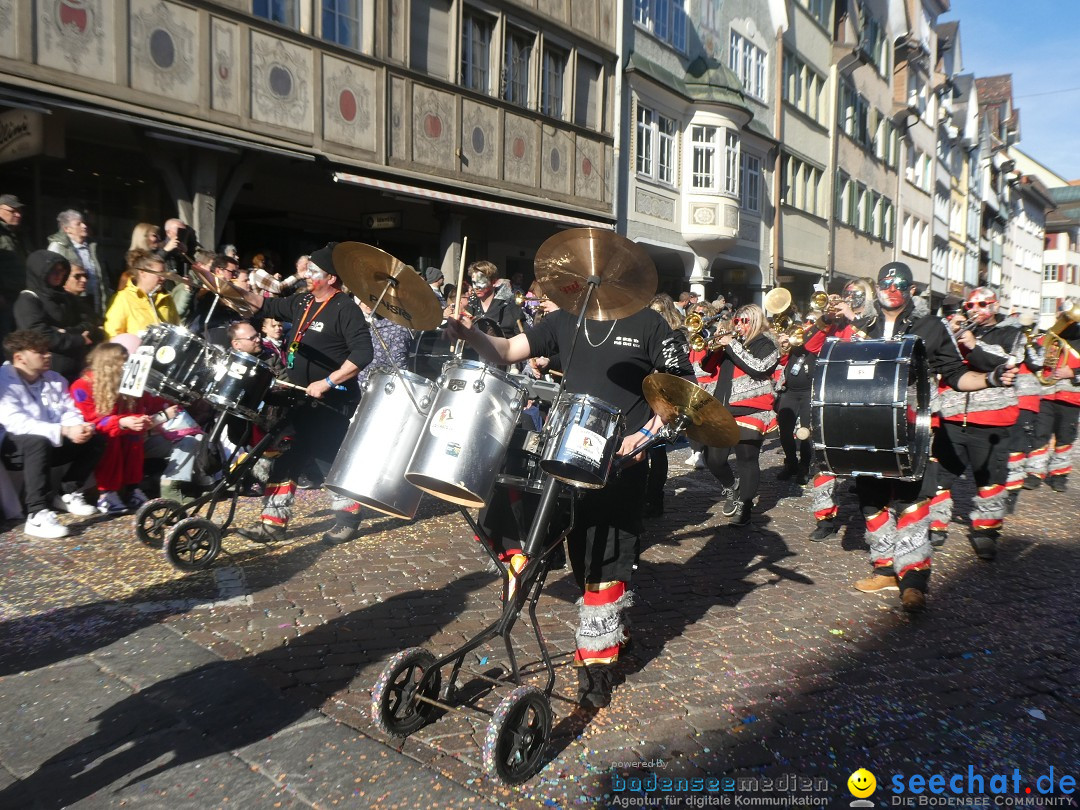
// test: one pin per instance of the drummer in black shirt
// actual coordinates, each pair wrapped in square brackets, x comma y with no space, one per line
[329,345]
[897,513]
[610,361]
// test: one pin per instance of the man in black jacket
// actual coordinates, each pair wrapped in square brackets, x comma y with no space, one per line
[12,260]
[897,513]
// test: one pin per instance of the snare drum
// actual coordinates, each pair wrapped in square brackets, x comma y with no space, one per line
[382,436]
[870,408]
[177,355]
[472,419]
[239,382]
[585,435]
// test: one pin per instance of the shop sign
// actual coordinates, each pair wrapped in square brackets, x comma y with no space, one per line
[383,222]
[22,135]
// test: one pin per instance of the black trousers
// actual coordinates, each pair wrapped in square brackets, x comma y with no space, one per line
[983,449]
[747,463]
[1057,420]
[36,456]
[794,406]
[658,472]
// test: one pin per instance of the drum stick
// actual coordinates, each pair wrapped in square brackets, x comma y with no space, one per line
[287,384]
[460,346]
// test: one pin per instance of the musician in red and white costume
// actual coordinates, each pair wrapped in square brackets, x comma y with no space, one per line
[1058,415]
[975,428]
[1022,455]
[849,320]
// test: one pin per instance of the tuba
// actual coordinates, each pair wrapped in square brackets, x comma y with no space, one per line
[1057,348]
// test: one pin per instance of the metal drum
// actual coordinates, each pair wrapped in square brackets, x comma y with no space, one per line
[585,435]
[521,468]
[176,356]
[239,382]
[370,468]
[870,408]
[472,419]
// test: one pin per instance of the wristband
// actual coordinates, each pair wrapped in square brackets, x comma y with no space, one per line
[334,385]
[646,432]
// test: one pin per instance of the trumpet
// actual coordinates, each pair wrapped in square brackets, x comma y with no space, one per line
[708,340]
[695,322]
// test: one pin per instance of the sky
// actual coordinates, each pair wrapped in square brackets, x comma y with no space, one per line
[1038,42]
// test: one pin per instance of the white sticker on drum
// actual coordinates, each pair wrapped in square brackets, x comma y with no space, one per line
[136,370]
[860,372]
[442,422]
[584,442]
[237,370]
[165,355]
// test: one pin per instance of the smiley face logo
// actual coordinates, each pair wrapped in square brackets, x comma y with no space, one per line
[861,783]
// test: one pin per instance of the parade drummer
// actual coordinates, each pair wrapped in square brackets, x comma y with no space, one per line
[897,513]
[611,360]
[329,345]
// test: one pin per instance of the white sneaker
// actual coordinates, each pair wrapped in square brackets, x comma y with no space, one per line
[110,503]
[43,523]
[694,459]
[76,504]
[137,498]
[700,463]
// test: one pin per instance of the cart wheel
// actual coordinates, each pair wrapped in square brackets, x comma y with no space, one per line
[394,707]
[193,544]
[517,735]
[153,519]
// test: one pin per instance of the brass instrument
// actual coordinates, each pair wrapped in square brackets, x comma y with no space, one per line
[707,340]
[1057,348]
[700,336]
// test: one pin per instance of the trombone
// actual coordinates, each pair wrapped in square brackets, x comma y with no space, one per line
[1057,348]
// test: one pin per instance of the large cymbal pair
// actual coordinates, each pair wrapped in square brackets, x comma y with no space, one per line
[565,263]
[709,422]
[369,273]
[228,293]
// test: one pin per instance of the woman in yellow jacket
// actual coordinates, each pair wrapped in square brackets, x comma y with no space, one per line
[132,309]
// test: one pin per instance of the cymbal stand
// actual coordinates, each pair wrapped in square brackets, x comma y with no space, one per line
[392,283]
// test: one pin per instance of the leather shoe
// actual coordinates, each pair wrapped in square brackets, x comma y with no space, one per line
[937,538]
[877,582]
[341,533]
[825,529]
[263,533]
[1032,482]
[594,686]
[913,600]
[1058,483]
[985,547]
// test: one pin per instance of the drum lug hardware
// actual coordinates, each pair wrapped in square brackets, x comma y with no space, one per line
[388,389]
[456,385]
[478,386]
[425,403]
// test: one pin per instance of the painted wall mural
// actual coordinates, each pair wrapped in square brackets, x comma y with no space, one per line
[433,128]
[225,66]
[520,142]
[349,104]
[77,36]
[479,139]
[163,50]
[280,83]
[9,42]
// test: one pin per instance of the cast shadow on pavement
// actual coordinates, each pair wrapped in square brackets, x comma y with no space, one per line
[218,707]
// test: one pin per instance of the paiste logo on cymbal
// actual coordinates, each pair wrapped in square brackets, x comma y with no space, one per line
[394,308]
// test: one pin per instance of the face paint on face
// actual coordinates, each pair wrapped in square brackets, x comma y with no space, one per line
[480,282]
[856,298]
[894,286]
[981,306]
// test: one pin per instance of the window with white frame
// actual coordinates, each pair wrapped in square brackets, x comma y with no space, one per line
[667,141]
[664,19]
[286,12]
[875,44]
[820,10]
[552,84]
[731,162]
[803,87]
[517,59]
[747,61]
[341,22]
[656,146]
[1050,272]
[750,183]
[706,148]
[646,137]
[476,51]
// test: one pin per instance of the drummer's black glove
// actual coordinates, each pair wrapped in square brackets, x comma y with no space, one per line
[994,375]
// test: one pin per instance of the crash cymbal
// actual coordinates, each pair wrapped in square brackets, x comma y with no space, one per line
[240,306]
[367,271]
[710,422]
[219,286]
[565,263]
[168,275]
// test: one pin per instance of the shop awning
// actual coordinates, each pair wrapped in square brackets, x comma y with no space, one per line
[391,187]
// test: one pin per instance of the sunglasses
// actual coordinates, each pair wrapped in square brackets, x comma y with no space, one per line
[970,305]
[899,283]
[741,320]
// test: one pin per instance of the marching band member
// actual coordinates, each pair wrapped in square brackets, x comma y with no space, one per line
[1057,420]
[851,318]
[975,426]
[610,362]
[744,368]
[897,513]
[485,302]
[330,345]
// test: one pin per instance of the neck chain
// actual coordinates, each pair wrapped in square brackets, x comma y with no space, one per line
[602,342]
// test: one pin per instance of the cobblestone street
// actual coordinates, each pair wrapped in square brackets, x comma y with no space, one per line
[126,683]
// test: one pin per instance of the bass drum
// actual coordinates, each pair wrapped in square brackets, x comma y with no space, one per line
[870,408]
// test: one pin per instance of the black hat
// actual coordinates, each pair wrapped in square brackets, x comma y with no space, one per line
[11,201]
[895,270]
[323,258]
